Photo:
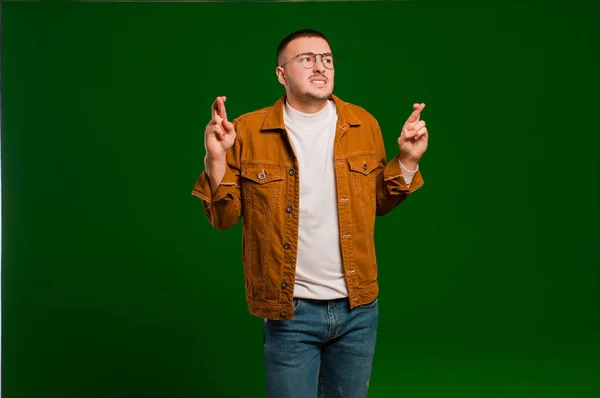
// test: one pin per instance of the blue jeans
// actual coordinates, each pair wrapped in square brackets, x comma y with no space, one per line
[325,351]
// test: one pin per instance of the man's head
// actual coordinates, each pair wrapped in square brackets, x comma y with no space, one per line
[305,67]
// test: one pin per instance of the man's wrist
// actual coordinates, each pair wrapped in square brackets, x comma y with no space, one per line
[408,162]
[215,170]
[210,160]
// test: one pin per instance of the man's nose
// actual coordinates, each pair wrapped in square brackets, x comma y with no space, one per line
[319,65]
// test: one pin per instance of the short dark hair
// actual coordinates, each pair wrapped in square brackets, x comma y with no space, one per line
[296,35]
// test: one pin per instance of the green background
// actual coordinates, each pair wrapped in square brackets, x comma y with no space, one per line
[115,284]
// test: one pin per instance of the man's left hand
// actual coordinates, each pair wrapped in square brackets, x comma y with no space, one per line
[413,139]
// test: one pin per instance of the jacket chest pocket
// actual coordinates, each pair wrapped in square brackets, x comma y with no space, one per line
[362,175]
[262,185]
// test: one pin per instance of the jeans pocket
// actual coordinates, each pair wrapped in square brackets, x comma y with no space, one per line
[372,304]
[296,304]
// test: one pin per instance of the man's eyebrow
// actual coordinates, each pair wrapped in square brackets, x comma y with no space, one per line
[311,53]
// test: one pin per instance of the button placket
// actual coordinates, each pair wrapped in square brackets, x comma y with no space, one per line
[344,210]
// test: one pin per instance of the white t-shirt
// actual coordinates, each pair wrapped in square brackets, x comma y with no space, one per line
[319,270]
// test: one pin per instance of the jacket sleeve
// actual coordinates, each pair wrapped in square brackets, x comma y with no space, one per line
[224,206]
[391,186]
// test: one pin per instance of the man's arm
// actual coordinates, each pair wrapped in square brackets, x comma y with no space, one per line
[408,174]
[401,176]
[219,184]
[222,200]
[391,182]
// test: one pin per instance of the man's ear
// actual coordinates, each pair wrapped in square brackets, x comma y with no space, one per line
[281,75]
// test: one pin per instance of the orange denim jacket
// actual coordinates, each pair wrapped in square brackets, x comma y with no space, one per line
[261,185]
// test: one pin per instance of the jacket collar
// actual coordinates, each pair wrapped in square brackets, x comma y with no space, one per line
[274,118]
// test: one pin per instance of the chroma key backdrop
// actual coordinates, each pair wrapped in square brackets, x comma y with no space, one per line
[114,284]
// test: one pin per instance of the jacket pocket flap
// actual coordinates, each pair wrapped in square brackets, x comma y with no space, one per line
[262,174]
[363,164]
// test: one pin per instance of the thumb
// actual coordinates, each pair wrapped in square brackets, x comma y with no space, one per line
[228,126]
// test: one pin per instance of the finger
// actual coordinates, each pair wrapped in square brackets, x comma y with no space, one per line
[231,135]
[215,110]
[215,120]
[420,133]
[408,134]
[414,117]
[215,128]
[219,132]
[420,124]
[218,108]
[221,110]
[228,127]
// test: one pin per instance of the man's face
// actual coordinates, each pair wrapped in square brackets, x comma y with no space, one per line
[312,84]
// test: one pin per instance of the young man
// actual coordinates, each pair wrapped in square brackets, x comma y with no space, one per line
[308,176]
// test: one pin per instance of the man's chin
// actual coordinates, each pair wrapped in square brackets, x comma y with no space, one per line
[321,96]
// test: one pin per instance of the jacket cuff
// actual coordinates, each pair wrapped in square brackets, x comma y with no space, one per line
[226,189]
[394,179]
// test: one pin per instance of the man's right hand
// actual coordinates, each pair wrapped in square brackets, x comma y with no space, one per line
[219,136]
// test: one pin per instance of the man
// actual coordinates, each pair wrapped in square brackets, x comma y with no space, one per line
[307,176]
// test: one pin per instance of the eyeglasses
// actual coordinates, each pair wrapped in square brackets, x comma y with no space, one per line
[308,60]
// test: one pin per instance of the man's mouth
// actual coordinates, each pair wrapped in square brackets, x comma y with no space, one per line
[319,81]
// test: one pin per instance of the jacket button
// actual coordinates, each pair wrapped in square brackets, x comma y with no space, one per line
[292,172]
[283,313]
[365,166]
[286,246]
[289,209]
[284,284]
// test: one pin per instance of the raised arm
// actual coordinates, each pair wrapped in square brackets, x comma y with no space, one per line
[219,184]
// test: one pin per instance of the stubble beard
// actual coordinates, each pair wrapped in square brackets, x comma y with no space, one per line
[308,95]
[317,96]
